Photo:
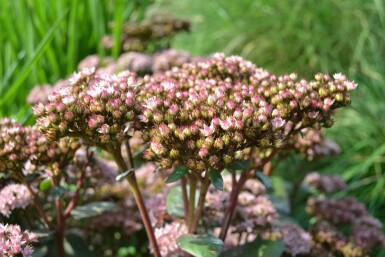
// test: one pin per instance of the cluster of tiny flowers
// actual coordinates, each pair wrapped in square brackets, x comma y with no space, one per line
[14,242]
[367,233]
[138,36]
[216,202]
[324,183]
[166,237]
[14,196]
[41,151]
[215,206]
[255,213]
[337,211]
[328,241]
[12,142]
[297,241]
[98,108]
[205,114]
[311,144]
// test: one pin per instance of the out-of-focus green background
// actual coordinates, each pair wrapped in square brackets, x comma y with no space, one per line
[43,40]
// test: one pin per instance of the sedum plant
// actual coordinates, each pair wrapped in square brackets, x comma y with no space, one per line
[213,129]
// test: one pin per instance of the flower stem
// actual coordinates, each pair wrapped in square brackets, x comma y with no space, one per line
[38,205]
[201,203]
[233,199]
[60,229]
[131,178]
[185,198]
[191,208]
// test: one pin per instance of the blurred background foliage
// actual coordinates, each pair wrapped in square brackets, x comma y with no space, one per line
[42,41]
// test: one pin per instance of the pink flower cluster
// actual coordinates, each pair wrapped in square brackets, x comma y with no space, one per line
[311,144]
[41,151]
[14,242]
[167,236]
[12,142]
[325,183]
[205,114]
[14,196]
[297,241]
[98,108]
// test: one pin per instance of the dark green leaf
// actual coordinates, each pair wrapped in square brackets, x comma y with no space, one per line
[58,191]
[75,246]
[239,165]
[216,179]
[40,251]
[200,245]
[92,209]
[174,201]
[5,175]
[258,248]
[31,177]
[45,185]
[266,180]
[123,175]
[177,174]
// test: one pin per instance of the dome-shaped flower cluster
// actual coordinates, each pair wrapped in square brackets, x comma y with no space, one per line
[297,241]
[41,151]
[205,114]
[12,142]
[99,108]
[325,183]
[14,242]
[167,236]
[14,196]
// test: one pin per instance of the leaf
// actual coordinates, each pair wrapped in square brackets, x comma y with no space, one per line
[239,165]
[75,245]
[177,174]
[44,233]
[123,175]
[281,204]
[92,209]
[216,179]
[266,180]
[174,201]
[258,248]
[31,177]
[40,251]
[200,245]
[45,185]
[58,191]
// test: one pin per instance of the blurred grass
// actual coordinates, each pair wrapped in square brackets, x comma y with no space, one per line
[307,37]
[43,41]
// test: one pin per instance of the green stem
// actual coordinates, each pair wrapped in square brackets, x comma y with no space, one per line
[201,204]
[185,198]
[191,208]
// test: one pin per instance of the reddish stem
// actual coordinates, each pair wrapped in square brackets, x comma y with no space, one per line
[38,205]
[60,229]
[233,199]
[71,205]
[138,198]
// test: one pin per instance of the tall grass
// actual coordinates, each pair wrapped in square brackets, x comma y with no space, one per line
[306,37]
[43,40]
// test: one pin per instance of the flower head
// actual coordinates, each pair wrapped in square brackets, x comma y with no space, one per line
[244,105]
[12,142]
[14,241]
[97,108]
[14,196]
